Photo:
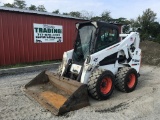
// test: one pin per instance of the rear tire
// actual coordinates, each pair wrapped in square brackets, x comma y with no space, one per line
[101,84]
[126,79]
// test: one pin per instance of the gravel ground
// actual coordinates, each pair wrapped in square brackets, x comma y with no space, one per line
[150,52]
[143,103]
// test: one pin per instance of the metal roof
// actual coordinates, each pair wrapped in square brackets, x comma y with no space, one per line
[38,12]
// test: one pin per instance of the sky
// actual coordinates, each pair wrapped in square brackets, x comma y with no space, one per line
[118,8]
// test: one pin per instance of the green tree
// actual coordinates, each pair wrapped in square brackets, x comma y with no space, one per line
[145,22]
[118,20]
[96,18]
[158,38]
[123,21]
[83,14]
[65,13]
[56,11]
[134,25]
[86,15]
[32,7]
[19,4]
[8,5]
[105,16]
[75,14]
[41,8]
[154,29]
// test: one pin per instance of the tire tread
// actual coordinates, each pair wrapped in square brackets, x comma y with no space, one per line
[120,79]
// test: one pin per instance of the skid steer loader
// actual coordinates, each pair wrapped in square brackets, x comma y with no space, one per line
[99,62]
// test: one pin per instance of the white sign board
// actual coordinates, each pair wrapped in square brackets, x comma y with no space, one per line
[45,33]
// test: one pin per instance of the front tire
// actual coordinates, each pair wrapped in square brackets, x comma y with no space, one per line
[101,84]
[126,79]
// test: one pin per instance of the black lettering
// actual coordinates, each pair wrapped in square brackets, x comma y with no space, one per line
[55,31]
[40,30]
[36,29]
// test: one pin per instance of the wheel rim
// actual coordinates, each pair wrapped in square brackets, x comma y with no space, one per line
[132,80]
[106,85]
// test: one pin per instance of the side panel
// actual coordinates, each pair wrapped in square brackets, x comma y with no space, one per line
[126,45]
[110,67]
[136,60]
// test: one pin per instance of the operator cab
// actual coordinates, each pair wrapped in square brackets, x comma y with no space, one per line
[93,37]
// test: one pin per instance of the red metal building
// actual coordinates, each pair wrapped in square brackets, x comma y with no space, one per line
[17,39]
[17,36]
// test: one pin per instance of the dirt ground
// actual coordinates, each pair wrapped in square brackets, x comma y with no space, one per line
[143,103]
[150,53]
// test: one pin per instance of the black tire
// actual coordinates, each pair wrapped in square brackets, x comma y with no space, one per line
[101,84]
[126,79]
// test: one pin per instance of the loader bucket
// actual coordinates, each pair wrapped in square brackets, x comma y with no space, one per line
[57,94]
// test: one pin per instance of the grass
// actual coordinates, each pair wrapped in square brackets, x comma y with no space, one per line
[28,64]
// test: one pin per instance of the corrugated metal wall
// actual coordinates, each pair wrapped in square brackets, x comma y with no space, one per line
[17,42]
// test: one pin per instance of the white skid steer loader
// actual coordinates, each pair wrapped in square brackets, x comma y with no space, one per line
[99,62]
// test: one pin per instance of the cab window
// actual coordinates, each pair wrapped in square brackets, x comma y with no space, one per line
[106,38]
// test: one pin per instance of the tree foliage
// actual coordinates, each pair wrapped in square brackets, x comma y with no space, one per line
[8,5]
[41,8]
[122,21]
[96,18]
[32,7]
[145,24]
[146,20]
[82,14]
[65,13]
[21,4]
[56,11]
[86,15]
[134,25]
[154,29]
[105,16]
[75,14]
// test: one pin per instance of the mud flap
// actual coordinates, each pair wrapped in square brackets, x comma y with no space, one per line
[57,94]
